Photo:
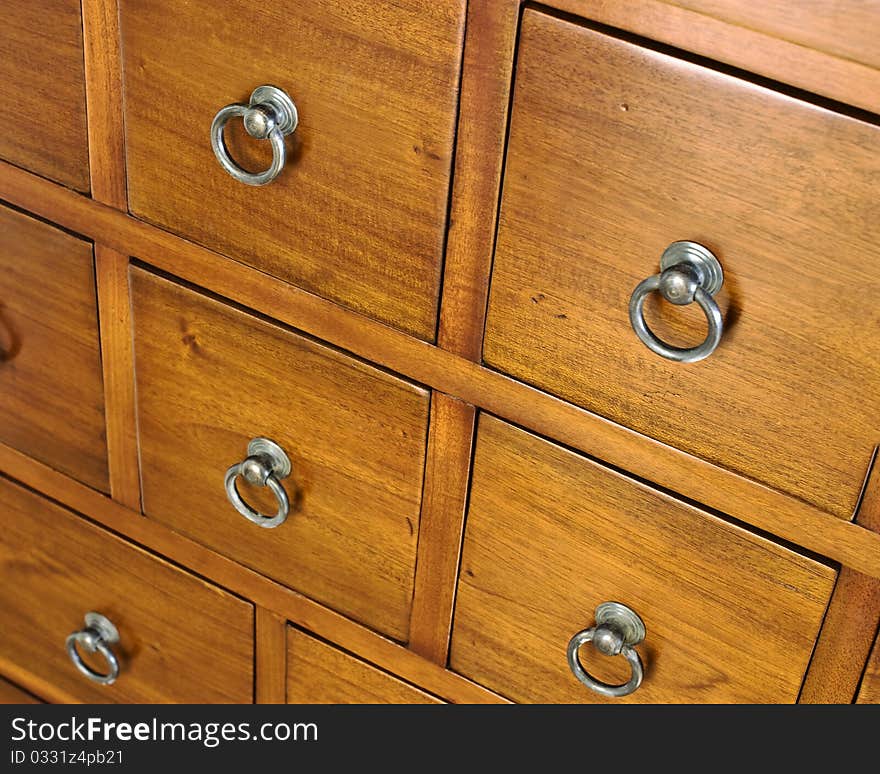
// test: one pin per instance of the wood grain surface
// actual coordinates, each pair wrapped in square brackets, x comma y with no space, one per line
[489,50]
[37,685]
[51,394]
[271,657]
[103,73]
[869,691]
[852,620]
[318,673]
[43,86]
[12,694]
[845,642]
[181,638]
[617,151]
[762,45]
[210,378]
[849,30]
[730,616]
[358,215]
[117,362]
[447,475]
[694,478]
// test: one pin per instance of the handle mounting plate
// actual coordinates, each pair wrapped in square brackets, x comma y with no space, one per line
[285,111]
[279,461]
[622,618]
[711,274]
[103,626]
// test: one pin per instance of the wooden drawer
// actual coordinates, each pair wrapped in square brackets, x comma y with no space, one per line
[358,214]
[615,152]
[318,673]
[209,379]
[51,386]
[42,82]
[181,639]
[12,694]
[730,616]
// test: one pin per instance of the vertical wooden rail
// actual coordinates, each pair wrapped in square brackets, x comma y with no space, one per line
[850,624]
[104,102]
[487,62]
[107,169]
[487,68]
[447,473]
[271,657]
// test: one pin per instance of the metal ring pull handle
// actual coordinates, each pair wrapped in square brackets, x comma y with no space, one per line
[97,637]
[617,631]
[688,272]
[266,463]
[271,115]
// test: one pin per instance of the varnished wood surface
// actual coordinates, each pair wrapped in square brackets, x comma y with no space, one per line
[758,48]
[848,30]
[358,214]
[117,362]
[223,571]
[851,621]
[36,684]
[12,694]
[730,616]
[447,473]
[479,152]
[103,74]
[696,479]
[51,394]
[42,87]
[209,379]
[616,152]
[271,657]
[181,639]
[318,673]
[869,691]
[845,642]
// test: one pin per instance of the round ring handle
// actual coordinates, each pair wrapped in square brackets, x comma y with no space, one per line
[97,637]
[689,273]
[265,464]
[618,629]
[270,114]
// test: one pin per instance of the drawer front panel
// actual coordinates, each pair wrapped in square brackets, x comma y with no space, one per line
[318,673]
[51,386]
[730,616]
[42,79]
[358,213]
[617,151]
[180,638]
[211,378]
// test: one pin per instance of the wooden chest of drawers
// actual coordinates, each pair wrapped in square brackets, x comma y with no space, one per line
[440,352]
